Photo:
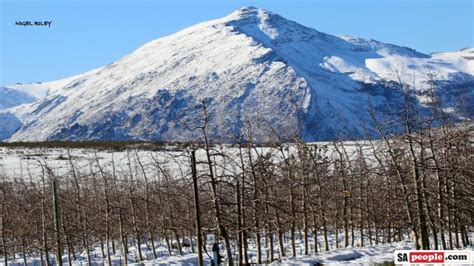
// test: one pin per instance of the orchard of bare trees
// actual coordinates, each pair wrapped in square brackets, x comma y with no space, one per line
[418,185]
[413,186]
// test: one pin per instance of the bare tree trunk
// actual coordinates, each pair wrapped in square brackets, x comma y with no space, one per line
[239,222]
[293,222]
[272,252]
[57,221]
[80,209]
[168,244]
[147,206]
[215,198]
[344,196]
[70,249]
[178,242]
[280,236]
[43,219]
[3,214]
[255,203]
[315,234]
[107,210]
[123,236]
[305,221]
[425,242]
[361,200]
[319,191]
[134,213]
[4,242]
[336,228]
[243,232]
[197,210]
[25,255]
[424,191]
[292,199]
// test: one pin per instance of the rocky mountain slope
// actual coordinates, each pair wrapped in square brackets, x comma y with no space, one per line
[252,67]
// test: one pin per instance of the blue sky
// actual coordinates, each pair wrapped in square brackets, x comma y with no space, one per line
[89,34]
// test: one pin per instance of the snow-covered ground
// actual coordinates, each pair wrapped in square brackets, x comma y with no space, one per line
[351,256]
[381,254]
[15,162]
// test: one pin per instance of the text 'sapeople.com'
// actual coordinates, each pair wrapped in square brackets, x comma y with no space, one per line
[433,257]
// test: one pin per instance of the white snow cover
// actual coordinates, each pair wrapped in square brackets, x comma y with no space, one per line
[42,89]
[414,71]
[368,255]
[252,65]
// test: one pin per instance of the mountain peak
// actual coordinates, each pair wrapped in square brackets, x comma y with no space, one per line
[248,11]
[252,65]
[264,25]
[250,14]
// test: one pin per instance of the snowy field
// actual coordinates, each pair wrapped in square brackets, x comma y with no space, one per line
[368,255]
[16,162]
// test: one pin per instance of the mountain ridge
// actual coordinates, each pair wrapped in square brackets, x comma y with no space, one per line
[252,65]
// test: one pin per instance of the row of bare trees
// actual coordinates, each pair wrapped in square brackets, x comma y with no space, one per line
[418,185]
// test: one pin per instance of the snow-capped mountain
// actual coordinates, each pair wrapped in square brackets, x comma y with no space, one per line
[250,67]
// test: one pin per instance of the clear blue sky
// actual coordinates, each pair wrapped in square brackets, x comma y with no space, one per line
[88,34]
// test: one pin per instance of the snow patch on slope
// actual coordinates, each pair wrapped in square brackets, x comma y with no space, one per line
[42,89]
[462,60]
[416,71]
